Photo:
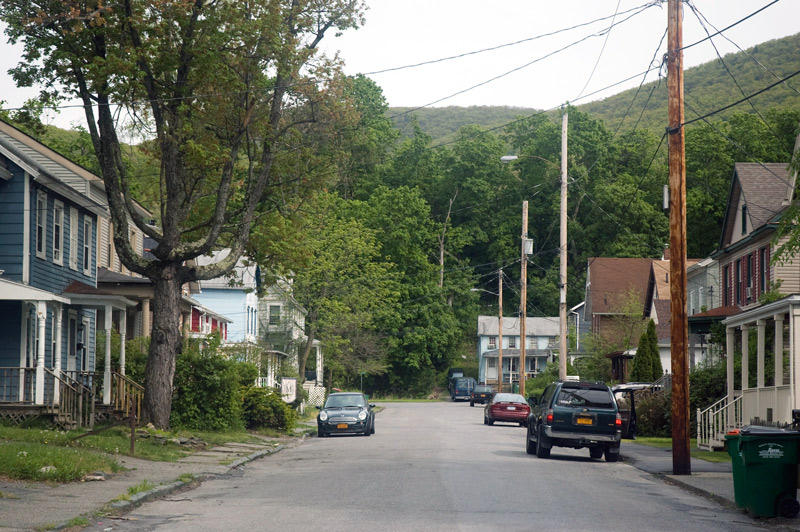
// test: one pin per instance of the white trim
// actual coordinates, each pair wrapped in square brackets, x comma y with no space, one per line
[26,231]
[73,238]
[41,222]
[85,340]
[86,249]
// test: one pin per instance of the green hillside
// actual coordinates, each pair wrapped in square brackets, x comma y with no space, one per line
[707,87]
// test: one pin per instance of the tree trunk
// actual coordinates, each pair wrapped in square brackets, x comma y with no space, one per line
[165,345]
[302,356]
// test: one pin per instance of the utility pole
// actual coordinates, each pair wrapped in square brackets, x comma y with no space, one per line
[681,459]
[523,298]
[500,333]
[562,315]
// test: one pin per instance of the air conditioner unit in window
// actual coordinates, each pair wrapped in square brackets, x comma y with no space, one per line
[749,292]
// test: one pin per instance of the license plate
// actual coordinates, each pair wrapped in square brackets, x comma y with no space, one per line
[483,395]
[341,426]
[584,421]
[511,407]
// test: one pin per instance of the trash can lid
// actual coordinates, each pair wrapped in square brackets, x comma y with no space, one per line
[758,430]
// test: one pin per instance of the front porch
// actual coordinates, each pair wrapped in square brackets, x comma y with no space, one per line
[769,395]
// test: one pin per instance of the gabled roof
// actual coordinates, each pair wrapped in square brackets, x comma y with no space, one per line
[243,276]
[664,315]
[762,188]
[487,326]
[610,280]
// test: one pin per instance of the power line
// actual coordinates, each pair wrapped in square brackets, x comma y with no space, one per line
[602,49]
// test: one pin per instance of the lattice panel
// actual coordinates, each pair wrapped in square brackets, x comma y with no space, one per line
[316,395]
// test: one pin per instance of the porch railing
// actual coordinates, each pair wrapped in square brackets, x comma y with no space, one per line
[75,407]
[17,385]
[716,420]
[126,395]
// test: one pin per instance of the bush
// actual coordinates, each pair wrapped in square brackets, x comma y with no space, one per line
[654,414]
[207,394]
[264,408]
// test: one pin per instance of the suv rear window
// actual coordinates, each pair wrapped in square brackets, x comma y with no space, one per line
[583,397]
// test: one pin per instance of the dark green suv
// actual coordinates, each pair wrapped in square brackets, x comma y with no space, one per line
[575,414]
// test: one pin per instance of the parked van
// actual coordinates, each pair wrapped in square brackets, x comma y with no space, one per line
[462,388]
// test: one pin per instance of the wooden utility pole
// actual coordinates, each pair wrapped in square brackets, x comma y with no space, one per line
[523,298]
[681,459]
[500,333]
[562,315]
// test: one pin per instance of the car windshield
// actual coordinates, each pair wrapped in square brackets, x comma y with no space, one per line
[344,401]
[508,398]
[585,397]
[483,389]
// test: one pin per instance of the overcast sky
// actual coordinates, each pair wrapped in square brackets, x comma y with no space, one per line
[406,32]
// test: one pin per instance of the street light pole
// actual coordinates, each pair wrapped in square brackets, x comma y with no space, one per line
[500,334]
[523,302]
[562,315]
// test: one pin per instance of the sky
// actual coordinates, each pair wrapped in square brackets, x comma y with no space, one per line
[532,73]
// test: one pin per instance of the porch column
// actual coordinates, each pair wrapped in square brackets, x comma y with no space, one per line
[794,349]
[761,340]
[730,348]
[778,350]
[41,320]
[320,361]
[745,357]
[58,313]
[107,371]
[146,318]
[123,327]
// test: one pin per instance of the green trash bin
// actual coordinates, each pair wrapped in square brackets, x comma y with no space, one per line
[515,388]
[765,470]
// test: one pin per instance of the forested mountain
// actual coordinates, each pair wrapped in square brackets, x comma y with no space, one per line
[707,87]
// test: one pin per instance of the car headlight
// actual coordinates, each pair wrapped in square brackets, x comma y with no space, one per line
[362,415]
[323,416]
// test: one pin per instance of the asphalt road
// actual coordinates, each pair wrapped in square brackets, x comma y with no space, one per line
[432,466]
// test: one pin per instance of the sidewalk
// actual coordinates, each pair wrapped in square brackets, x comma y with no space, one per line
[27,505]
[713,480]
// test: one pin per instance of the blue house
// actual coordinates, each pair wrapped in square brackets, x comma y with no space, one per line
[50,213]
[496,348]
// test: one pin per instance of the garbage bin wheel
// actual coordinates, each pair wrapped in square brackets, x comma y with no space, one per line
[788,506]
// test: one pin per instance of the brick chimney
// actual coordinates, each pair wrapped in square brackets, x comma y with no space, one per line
[665,255]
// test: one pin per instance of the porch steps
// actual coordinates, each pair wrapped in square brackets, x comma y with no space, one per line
[716,420]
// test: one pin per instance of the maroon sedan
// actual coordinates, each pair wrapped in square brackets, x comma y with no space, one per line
[510,407]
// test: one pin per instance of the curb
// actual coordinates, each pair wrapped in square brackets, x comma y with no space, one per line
[722,501]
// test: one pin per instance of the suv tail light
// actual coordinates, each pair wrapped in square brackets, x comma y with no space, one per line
[549,416]
[618,421]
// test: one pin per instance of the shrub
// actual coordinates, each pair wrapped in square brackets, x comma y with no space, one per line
[207,393]
[654,414]
[264,408]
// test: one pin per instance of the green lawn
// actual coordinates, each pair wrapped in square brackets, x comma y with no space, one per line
[666,443]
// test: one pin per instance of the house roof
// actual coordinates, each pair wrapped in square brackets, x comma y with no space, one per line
[762,187]
[610,280]
[663,317]
[488,326]
[105,275]
[243,276]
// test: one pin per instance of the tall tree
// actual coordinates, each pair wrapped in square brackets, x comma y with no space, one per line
[223,87]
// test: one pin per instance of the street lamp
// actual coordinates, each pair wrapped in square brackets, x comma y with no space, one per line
[562,319]
[499,295]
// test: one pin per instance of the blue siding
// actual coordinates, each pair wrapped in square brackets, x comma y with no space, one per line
[45,273]
[231,304]
[12,195]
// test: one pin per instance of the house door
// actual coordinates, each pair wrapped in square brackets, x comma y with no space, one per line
[72,341]
[491,368]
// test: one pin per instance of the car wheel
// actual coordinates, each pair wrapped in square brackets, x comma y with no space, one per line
[372,429]
[596,452]
[491,421]
[471,403]
[320,432]
[521,423]
[611,457]
[541,450]
[485,420]
[530,446]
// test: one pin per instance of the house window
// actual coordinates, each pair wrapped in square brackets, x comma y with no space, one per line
[73,238]
[58,232]
[744,219]
[87,246]
[691,303]
[738,282]
[700,299]
[750,273]
[762,270]
[512,342]
[726,296]
[274,314]
[41,220]
[493,342]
